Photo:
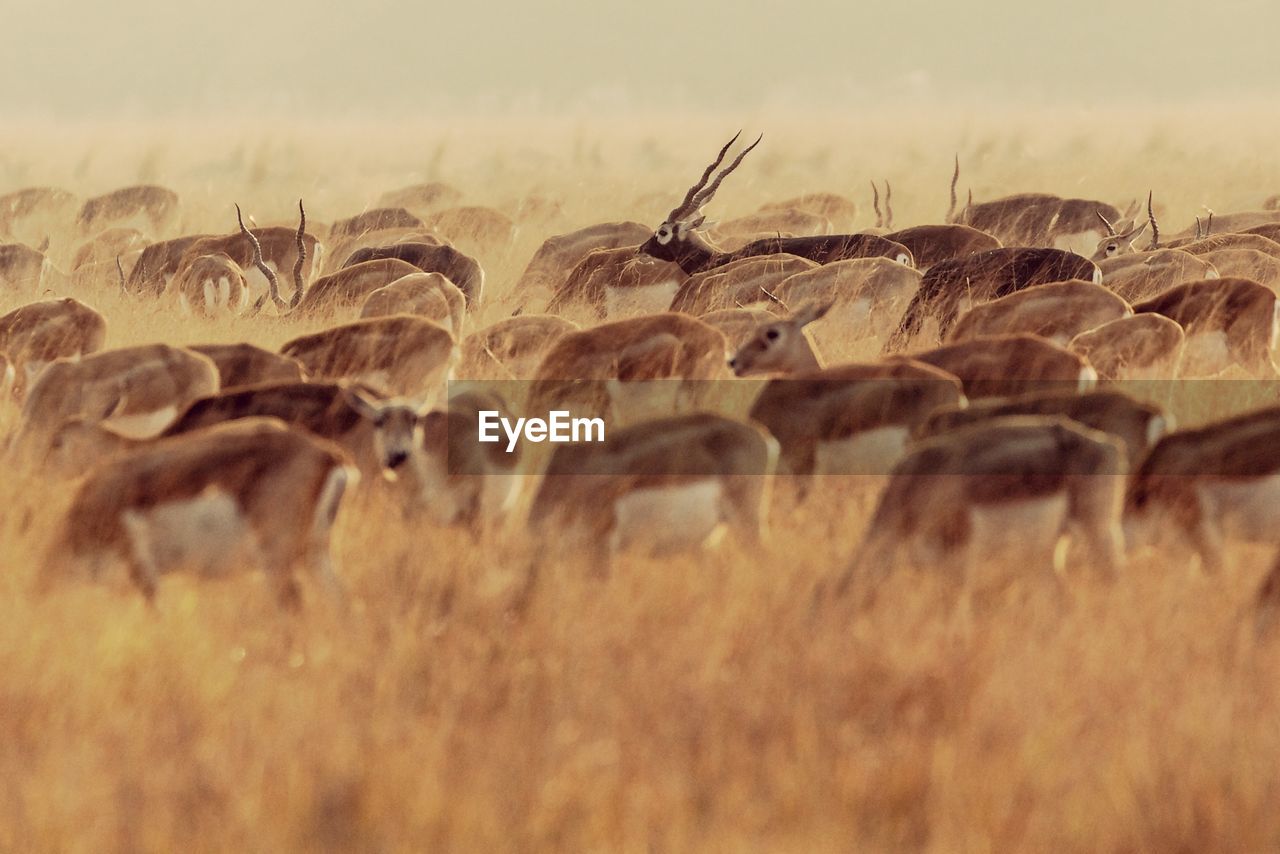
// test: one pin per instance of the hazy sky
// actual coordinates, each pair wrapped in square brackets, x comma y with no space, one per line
[130,57]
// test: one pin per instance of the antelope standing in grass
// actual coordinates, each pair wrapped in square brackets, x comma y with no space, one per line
[617,283]
[677,239]
[460,269]
[401,355]
[558,255]
[610,369]
[657,487]
[244,364]
[39,333]
[23,269]
[252,493]
[1057,311]
[1200,489]
[134,391]
[1228,321]
[209,285]
[932,244]
[1135,347]
[954,498]
[428,295]
[737,284]
[1010,365]
[845,419]
[1137,424]
[951,287]
[281,249]
[842,212]
[866,294]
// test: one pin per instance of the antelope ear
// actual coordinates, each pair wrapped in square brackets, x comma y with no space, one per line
[811,311]
[1134,234]
[362,404]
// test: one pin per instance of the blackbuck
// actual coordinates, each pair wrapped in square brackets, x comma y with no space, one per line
[1228,321]
[617,283]
[281,248]
[657,487]
[243,364]
[209,285]
[151,207]
[678,240]
[401,355]
[379,435]
[558,255]
[739,283]
[867,295]
[1143,275]
[254,493]
[461,269]
[1201,489]
[951,287]
[1135,347]
[1137,424]
[953,500]
[739,231]
[932,244]
[158,263]
[1010,365]
[428,295]
[1220,223]
[136,391]
[377,219]
[511,349]
[844,419]
[38,333]
[1039,219]
[1058,311]
[629,369]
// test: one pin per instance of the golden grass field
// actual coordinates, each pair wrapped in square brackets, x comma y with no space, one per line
[702,704]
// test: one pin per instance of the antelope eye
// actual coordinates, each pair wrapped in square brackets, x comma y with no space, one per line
[772,334]
[664,234]
[1111,247]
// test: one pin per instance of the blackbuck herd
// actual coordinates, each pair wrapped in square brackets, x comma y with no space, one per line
[998,424]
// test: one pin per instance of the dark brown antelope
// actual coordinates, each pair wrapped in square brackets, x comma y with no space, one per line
[678,240]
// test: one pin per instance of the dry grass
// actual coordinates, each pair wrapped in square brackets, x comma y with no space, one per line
[698,704]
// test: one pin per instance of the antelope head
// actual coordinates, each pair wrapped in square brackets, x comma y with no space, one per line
[1117,242]
[677,238]
[780,346]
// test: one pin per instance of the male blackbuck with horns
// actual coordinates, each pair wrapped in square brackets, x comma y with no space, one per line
[679,240]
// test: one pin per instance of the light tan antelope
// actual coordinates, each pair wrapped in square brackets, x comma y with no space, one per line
[253,493]
[377,219]
[609,370]
[210,285]
[135,391]
[1058,311]
[244,364]
[657,487]
[461,269]
[153,208]
[24,270]
[617,283]
[1136,347]
[738,284]
[379,435]
[1224,223]
[1227,321]
[790,222]
[403,356]
[1200,489]
[474,226]
[39,333]
[1143,275]
[953,500]
[281,249]
[1137,424]
[511,349]
[157,265]
[425,196]
[428,295]
[866,294]
[36,214]
[1009,365]
[558,255]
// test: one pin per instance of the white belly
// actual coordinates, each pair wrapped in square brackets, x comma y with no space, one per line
[1206,353]
[1248,510]
[1011,538]
[667,519]
[142,425]
[206,534]
[868,452]
[646,299]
